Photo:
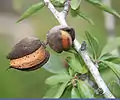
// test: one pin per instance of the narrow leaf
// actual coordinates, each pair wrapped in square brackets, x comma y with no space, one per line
[114,59]
[94,45]
[111,45]
[105,56]
[111,58]
[75,4]
[67,92]
[82,15]
[73,12]
[74,63]
[104,7]
[62,1]
[57,79]
[75,93]
[102,66]
[31,10]
[115,88]
[52,91]
[56,91]
[85,90]
[61,90]
[71,71]
[114,67]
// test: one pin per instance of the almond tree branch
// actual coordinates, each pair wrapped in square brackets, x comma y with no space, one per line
[66,8]
[60,16]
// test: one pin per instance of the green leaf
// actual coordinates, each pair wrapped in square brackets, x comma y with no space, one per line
[61,90]
[53,80]
[31,10]
[75,4]
[85,90]
[104,7]
[74,63]
[115,88]
[102,66]
[75,93]
[94,45]
[71,71]
[111,58]
[105,56]
[79,57]
[67,92]
[114,59]
[62,1]
[56,91]
[52,91]
[55,65]
[73,12]
[114,67]
[82,15]
[111,45]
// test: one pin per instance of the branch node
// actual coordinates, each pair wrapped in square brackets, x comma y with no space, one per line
[83,46]
[66,8]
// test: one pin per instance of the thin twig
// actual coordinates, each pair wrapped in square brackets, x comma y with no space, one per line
[66,8]
[60,16]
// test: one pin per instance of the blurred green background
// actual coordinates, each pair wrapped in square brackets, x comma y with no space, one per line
[17,84]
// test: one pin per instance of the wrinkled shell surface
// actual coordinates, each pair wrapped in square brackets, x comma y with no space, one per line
[29,54]
[24,47]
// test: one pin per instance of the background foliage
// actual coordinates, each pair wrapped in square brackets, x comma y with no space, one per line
[32,84]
